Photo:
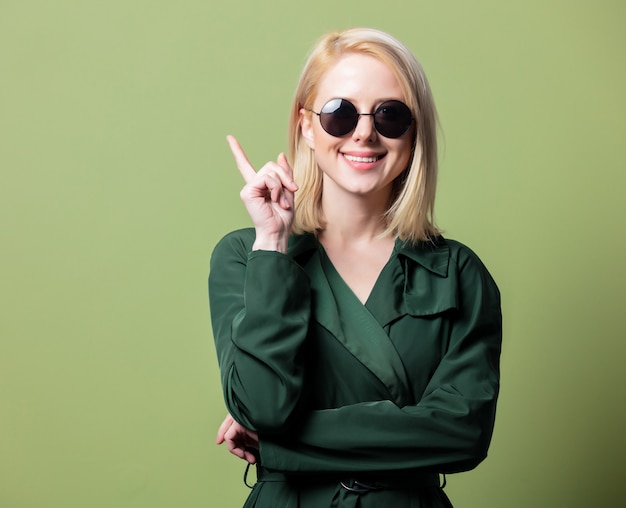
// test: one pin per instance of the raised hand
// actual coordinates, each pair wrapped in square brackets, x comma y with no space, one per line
[269,198]
[241,442]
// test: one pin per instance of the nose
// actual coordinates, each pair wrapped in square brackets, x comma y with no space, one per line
[364,130]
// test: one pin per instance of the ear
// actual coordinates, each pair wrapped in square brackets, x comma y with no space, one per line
[306,127]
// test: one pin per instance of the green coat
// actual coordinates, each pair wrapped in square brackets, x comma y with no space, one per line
[393,390]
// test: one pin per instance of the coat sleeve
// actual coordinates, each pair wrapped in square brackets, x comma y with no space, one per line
[260,308]
[448,430]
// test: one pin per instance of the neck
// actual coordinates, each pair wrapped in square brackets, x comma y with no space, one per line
[353,219]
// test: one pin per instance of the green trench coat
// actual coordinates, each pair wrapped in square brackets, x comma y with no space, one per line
[388,393]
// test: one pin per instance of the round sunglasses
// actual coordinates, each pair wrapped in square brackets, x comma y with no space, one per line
[339,117]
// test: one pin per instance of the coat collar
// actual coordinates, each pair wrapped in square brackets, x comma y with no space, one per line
[434,255]
[429,285]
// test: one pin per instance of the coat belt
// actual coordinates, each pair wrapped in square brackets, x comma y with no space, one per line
[356,482]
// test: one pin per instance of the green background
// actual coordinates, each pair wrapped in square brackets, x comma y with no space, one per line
[116,182]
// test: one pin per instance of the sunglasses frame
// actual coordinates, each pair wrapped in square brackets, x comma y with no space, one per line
[358,115]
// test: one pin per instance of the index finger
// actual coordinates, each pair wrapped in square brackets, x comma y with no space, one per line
[243,164]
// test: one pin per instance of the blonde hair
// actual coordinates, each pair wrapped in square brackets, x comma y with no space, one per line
[410,214]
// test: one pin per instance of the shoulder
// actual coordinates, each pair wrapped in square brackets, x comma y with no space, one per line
[238,238]
[234,245]
[470,268]
[463,255]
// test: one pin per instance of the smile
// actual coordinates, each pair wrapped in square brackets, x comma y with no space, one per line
[354,158]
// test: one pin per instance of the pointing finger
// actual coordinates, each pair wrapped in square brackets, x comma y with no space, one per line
[243,164]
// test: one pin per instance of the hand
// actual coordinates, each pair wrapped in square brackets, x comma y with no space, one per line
[240,441]
[269,198]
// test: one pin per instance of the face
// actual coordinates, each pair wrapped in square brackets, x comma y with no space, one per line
[362,163]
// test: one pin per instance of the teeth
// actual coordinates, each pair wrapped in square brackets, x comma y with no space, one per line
[353,158]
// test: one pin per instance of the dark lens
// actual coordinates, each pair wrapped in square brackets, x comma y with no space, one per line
[338,117]
[392,119]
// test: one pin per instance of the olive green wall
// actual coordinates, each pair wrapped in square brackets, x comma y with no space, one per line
[116,182]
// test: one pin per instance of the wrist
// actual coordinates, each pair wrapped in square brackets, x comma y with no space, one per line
[277,243]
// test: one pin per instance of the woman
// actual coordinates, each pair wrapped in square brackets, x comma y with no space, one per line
[358,348]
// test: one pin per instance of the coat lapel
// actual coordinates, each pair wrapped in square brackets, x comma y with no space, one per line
[417,272]
[338,310]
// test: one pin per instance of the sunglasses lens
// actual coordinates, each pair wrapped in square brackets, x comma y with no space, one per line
[392,119]
[338,117]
